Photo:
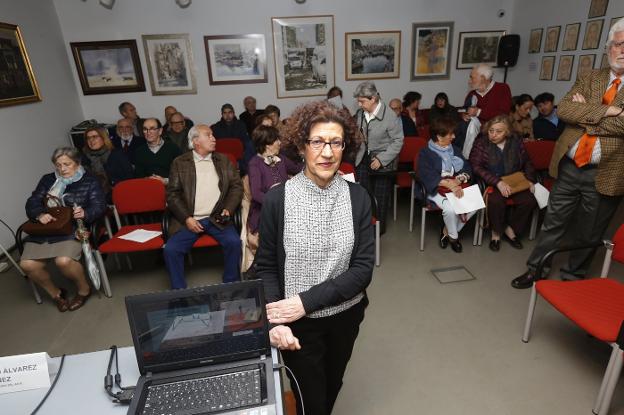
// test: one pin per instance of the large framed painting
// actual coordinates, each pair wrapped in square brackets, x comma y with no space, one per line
[564,70]
[535,40]
[478,47]
[17,80]
[593,32]
[372,55]
[236,59]
[108,67]
[303,48]
[547,68]
[431,50]
[571,36]
[170,64]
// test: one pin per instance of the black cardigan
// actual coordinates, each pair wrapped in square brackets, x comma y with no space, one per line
[271,256]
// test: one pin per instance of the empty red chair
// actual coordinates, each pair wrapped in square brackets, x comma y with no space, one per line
[410,149]
[540,153]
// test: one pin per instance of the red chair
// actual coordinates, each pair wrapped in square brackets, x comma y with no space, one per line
[540,153]
[132,196]
[423,131]
[347,168]
[232,146]
[411,147]
[595,305]
[232,158]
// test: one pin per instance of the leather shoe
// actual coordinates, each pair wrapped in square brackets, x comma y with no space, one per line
[456,245]
[444,239]
[515,242]
[61,301]
[495,245]
[525,280]
[78,301]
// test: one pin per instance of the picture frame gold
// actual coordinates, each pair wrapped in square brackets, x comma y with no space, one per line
[19,85]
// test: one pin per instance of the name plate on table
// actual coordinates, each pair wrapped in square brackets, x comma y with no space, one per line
[24,372]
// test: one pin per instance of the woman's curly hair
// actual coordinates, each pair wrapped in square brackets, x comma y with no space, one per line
[297,131]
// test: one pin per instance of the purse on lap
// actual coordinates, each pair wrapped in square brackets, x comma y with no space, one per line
[517,181]
[61,226]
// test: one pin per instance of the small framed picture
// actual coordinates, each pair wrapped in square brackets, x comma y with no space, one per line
[597,8]
[570,37]
[552,38]
[535,40]
[593,31]
[564,71]
[478,47]
[585,65]
[604,61]
[546,72]
[431,50]
[170,64]
[372,55]
[236,59]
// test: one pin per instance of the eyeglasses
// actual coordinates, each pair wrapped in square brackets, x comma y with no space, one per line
[618,45]
[124,127]
[177,122]
[318,145]
[151,129]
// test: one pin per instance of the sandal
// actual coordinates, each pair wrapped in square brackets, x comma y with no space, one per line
[78,301]
[61,301]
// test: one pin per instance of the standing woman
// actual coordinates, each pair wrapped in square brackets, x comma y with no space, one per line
[69,179]
[316,255]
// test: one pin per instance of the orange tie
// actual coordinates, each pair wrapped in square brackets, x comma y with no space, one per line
[585,148]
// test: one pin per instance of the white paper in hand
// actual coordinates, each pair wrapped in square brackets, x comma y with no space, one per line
[471,201]
[140,235]
[541,195]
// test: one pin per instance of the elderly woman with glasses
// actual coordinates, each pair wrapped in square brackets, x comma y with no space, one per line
[71,184]
[316,255]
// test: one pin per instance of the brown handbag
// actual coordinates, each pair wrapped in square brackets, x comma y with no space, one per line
[517,181]
[61,226]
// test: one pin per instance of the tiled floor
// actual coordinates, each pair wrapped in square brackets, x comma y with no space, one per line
[424,347]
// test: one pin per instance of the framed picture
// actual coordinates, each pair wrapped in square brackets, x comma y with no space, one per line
[564,71]
[372,55]
[613,20]
[236,59]
[108,67]
[604,62]
[478,47]
[19,85]
[597,8]
[170,64]
[593,31]
[552,39]
[570,37]
[303,48]
[535,40]
[431,50]
[585,65]
[546,71]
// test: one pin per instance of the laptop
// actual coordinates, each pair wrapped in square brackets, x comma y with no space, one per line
[202,351]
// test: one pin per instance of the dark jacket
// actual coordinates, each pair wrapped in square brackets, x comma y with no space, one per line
[544,129]
[515,158]
[430,167]
[134,144]
[182,183]
[117,167]
[250,119]
[86,193]
[271,255]
[148,163]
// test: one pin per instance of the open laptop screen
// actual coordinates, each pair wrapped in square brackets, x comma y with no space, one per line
[198,326]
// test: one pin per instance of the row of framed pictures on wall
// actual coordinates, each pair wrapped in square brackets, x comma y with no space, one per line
[591,39]
[566,62]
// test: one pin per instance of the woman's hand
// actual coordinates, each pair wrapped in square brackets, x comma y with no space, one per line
[375,164]
[79,213]
[458,192]
[45,218]
[285,311]
[504,188]
[283,338]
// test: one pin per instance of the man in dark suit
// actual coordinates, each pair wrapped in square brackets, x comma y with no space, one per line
[588,162]
[125,139]
[203,192]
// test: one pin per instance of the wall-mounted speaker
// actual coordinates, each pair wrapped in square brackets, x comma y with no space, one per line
[508,50]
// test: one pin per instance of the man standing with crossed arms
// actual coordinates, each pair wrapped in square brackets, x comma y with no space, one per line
[588,162]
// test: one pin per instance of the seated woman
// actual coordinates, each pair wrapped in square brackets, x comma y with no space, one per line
[411,116]
[501,153]
[521,121]
[99,157]
[266,170]
[69,179]
[442,109]
[442,169]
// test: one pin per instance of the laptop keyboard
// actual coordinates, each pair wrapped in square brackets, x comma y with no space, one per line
[207,394]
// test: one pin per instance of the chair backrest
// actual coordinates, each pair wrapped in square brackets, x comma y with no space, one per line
[423,131]
[346,168]
[540,153]
[232,158]
[233,146]
[618,245]
[411,146]
[420,144]
[139,195]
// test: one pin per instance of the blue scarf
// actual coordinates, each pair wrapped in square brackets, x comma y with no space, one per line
[450,162]
[58,188]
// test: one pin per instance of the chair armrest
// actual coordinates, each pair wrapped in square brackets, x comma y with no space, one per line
[237,219]
[166,218]
[418,182]
[548,255]
[19,239]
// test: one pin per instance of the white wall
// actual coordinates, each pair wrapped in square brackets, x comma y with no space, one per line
[532,14]
[129,19]
[30,132]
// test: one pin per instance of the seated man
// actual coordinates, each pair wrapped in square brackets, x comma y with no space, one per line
[169,111]
[155,157]
[127,110]
[547,124]
[250,114]
[125,139]
[396,106]
[229,127]
[273,112]
[487,98]
[203,192]
[177,132]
